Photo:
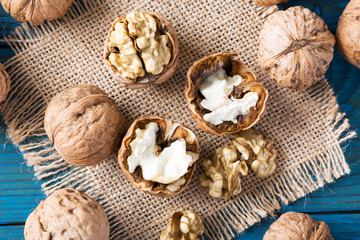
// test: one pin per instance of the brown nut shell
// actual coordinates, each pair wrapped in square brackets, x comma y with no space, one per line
[148,79]
[181,132]
[297,226]
[348,33]
[36,12]
[67,214]
[206,67]
[269,2]
[4,84]
[84,125]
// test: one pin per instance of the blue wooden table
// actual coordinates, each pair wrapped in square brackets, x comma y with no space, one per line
[338,203]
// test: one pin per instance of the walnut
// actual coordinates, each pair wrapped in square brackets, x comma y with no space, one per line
[67,214]
[223,172]
[297,226]
[296,47]
[141,49]
[158,156]
[36,12]
[269,2]
[84,125]
[223,95]
[186,225]
[348,33]
[4,84]
[257,151]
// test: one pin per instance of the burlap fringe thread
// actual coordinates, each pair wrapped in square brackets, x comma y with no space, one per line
[24,112]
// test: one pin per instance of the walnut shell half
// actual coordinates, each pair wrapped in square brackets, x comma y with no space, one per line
[269,2]
[348,33]
[38,11]
[84,125]
[296,47]
[4,84]
[168,133]
[208,66]
[132,55]
[297,226]
[67,214]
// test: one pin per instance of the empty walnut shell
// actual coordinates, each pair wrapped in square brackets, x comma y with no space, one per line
[296,47]
[67,214]
[297,226]
[4,84]
[348,33]
[269,2]
[84,125]
[164,137]
[208,66]
[36,12]
[164,27]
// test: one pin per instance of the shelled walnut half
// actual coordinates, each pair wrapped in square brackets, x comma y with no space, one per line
[4,84]
[185,225]
[158,156]
[223,95]
[141,49]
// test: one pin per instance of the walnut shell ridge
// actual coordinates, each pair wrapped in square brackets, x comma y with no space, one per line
[84,125]
[67,214]
[4,84]
[36,12]
[156,189]
[295,47]
[348,33]
[297,226]
[209,65]
[269,2]
[148,79]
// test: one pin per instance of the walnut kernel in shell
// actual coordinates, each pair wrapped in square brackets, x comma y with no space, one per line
[4,84]
[67,214]
[84,125]
[141,49]
[296,47]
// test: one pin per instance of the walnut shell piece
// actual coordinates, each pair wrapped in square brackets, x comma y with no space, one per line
[67,214]
[141,49]
[348,33]
[84,125]
[36,12]
[183,225]
[4,84]
[297,226]
[210,66]
[269,2]
[295,48]
[164,137]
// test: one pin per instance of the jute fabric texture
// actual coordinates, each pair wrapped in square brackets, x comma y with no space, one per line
[307,127]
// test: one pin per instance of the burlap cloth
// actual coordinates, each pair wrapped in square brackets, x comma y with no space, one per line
[306,126]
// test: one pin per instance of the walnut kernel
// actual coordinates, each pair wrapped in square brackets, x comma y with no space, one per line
[269,2]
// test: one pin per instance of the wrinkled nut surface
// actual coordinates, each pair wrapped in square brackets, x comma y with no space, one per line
[36,12]
[67,214]
[296,47]
[84,125]
[167,133]
[348,33]
[257,151]
[297,226]
[223,172]
[210,65]
[185,225]
[269,2]
[141,49]
[4,84]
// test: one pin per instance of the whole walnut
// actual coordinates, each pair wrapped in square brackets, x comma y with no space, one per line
[67,214]
[269,2]
[348,33]
[38,11]
[4,84]
[84,125]
[296,47]
[297,226]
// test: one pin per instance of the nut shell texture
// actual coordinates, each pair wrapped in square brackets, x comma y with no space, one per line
[67,214]
[84,125]
[36,12]
[297,226]
[296,47]
[269,2]
[4,84]
[348,33]
[206,67]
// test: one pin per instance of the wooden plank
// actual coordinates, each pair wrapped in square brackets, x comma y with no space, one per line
[12,232]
